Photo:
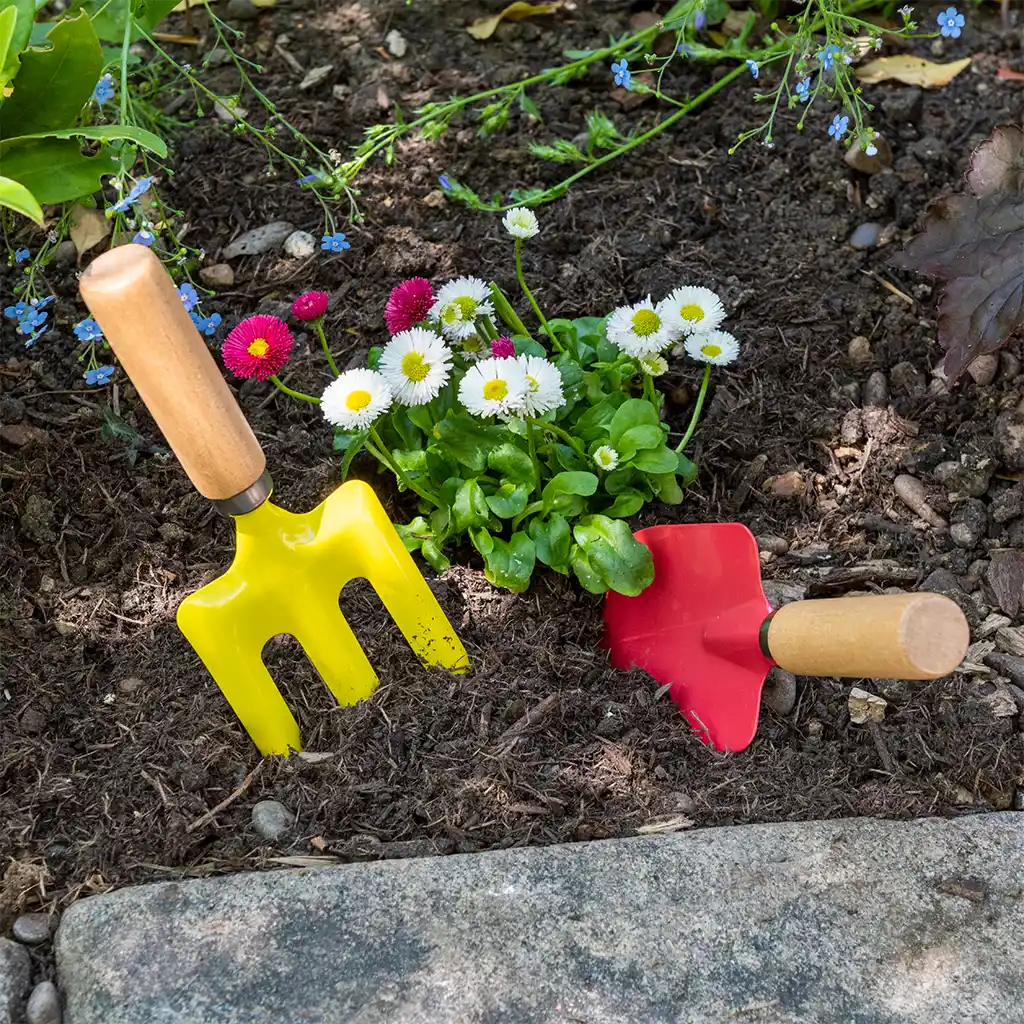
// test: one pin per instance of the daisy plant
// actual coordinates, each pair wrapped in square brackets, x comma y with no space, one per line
[532,446]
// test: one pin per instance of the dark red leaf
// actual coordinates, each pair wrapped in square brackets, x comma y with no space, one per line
[997,165]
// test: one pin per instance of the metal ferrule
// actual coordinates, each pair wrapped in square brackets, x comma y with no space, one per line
[762,636]
[248,500]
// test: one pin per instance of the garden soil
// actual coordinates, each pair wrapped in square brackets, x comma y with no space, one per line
[114,742]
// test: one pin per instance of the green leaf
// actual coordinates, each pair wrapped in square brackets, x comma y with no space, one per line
[529,107]
[560,151]
[626,504]
[469,440]
[593,425]
[509,500]
[105,133]
[639,439]
[56,170]
[510,563]
[481,540]
[413,534]
[667,488]
[355,446]
[552,539]
[526,346]
[586,573]
[436,558]
[591,328]
[657,460]
[109,18]
[624,564]
[568,458]
[504,310]
[16,197]
[54,84]
[15,31]
[563,491]
[470,507]
[513,464]
[634,412]
[686,469]
[419,416]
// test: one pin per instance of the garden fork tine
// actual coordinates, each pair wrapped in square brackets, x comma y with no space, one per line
[289,568]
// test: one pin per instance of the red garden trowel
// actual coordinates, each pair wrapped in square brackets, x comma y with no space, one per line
[705,628]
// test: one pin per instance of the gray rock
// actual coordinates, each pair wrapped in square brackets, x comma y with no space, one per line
[242,10]
[942,581]
[66,254]
[1009,435]
[968,523]
[15,968]
[43,1005]
[929,149]
[779,691]
[1008,504]
[272,819]
[876,390]
[1009,665]
[32,928]
[776,545]
[316,76]
[904,106]
[12,410]
[916,922]
[261,239]
[971,475]
[779,592]
[859,350]
[865,236]
[1005,575]
[219,275]
[1009,365]
[300,245]
[396,43]
[983,369]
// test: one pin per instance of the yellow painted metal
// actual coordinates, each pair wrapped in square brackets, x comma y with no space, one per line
[287,576]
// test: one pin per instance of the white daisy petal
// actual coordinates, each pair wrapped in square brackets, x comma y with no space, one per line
[718,347]
[493,387]
[640,329]
[521,223]
[544,386]
[692,308]
[458,304]
[606,458]
[416,364]
[355,399]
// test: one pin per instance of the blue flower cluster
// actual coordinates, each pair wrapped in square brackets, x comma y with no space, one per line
[29,317]
[88,330]
[138,190]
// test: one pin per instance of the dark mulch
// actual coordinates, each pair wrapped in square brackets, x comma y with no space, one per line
[113,739]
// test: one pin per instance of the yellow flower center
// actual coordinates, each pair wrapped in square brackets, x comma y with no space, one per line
[258,347]
[462,308]
[414,366]
[711,350]
[691,311]
[358,400]
[645,322]
[532,381]
[495,390]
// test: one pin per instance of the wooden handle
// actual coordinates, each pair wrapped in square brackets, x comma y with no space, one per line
[135,303]
[891,636]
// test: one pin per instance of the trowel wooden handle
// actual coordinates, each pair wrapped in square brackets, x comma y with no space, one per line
[134,301]
[897,636]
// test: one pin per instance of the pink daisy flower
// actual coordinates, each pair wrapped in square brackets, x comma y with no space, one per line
[310,306]
[258,347]
[408,304]
[502,348]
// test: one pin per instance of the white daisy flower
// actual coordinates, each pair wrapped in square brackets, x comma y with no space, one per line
[718,347]
[474,347]
[544,386]
[640,330]
[355,399]
[606,458]
[654,366]
[416,364]
[493,387]
[458,304]
[692,309]
[521,223]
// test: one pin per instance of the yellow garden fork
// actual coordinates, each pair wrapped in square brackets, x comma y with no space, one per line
[289,569]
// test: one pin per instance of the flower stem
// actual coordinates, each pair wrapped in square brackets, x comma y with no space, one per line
[397,469]
[531,442]
[319,325]
[649,389]
[294,394]
[696,409]
[559,432]
[529,295]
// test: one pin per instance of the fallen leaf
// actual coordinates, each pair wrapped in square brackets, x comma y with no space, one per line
[1006,72]
[90,227]
[484,28]
[912,71]
[669,823]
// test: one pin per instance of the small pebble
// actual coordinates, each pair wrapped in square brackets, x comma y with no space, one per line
[12,410]
[851,392]
[876,390]
[172,533]
[776,545]
[220,275]
[242,10]
[1009,435]
[786,485]
[866,236]
[1007,504]
[911,492]
[859,160]
[396,43]
[32,928]
[43,1005]
[300,245]
[1018,800]
[129,685]
[779,691]
[65,254]
[859,350]
[258,240]
[315,77]
[907,378]
[968,523]
[1009,365]
[983,369]
[272,819]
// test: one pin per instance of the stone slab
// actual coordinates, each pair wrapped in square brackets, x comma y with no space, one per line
[857,921]
[15,967]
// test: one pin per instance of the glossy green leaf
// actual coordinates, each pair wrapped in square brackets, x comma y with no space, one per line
[626,504]
[434,556]
[470,507]
[552,539]
[470,440]
[510,563]
[16,197]
[656,460]
[352,449]
[512,464]
[481,540]
[103,133]
[639,439]
[634,412]
[686,469]
[563,492]
[414,534]
[109,17]
[53,85]
[667,488]
[56,170]
[509,500]
[614,554]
